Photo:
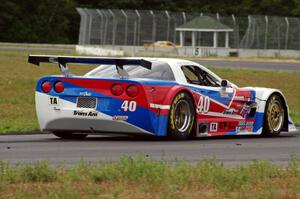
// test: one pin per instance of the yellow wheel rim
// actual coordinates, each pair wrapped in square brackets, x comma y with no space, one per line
[275,115]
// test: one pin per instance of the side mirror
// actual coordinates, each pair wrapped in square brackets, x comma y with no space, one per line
[225,83]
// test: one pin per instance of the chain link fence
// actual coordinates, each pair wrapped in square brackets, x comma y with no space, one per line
[137,27]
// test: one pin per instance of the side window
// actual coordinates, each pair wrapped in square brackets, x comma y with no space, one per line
[194,75]
[190,74]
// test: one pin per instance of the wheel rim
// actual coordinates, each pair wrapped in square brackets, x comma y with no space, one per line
[183,116]
[275,115]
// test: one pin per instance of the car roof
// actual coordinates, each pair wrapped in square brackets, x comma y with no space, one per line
[166,60]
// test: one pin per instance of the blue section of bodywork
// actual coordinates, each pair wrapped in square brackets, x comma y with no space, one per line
[259,121]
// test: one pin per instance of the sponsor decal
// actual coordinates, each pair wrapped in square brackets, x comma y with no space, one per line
[227,125]
[245,126]
[120,117]
[230,111]
[85,93]
[160,106]
[244,129]
[239,98]
[245,110]
[213,127]
[223,93]
[53,100]
[85,113]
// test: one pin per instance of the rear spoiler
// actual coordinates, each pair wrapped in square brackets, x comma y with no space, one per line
[64,60]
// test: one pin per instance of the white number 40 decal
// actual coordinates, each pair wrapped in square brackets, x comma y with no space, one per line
[129,106]
[203,104]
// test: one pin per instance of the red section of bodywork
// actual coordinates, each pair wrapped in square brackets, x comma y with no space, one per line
[146,94]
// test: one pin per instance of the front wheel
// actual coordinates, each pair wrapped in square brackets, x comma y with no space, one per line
[69,135]
[181,117]
[274,116]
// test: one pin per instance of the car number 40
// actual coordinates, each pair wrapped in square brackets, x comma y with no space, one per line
[203,104]
[128,106]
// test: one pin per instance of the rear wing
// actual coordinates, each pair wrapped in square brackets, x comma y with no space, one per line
[62,62]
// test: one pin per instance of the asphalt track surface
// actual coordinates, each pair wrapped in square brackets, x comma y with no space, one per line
[229,150]
[262,65]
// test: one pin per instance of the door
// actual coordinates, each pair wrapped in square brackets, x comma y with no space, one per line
[215,104]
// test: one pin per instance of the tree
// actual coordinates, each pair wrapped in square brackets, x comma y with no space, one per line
[37,21]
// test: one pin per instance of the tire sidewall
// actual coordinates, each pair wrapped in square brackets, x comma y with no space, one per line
[267,129]
[173,132]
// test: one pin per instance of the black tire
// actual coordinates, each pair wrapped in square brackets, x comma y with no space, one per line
[274,116]
[69,135]
[181,117]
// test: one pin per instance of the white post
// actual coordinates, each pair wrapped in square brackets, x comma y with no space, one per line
[193,39]
[266,32]
[153,26]
[138,27]
[114,27]
[199,38]
[126,27]
[215,39]
[287,32]
[227,40]
[168,26]
[181,38]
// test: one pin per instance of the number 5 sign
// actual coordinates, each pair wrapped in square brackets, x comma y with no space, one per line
[197,51]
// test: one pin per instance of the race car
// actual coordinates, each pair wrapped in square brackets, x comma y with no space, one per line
[153,96]
[161,44]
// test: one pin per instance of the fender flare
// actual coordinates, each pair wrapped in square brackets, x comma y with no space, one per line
[262,96]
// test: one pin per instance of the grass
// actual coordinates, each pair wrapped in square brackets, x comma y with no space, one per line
[18,79]
[144,178]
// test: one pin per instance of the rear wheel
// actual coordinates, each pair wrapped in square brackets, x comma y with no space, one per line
[181,117]
[274,116]
[69,135]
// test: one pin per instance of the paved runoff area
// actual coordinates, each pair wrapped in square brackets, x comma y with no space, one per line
[229,150]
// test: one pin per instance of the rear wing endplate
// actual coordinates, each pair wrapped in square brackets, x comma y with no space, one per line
[62,62]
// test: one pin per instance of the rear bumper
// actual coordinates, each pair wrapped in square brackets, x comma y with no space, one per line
[67,117]
[91,126]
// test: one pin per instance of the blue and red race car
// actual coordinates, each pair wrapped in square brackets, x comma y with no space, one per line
[153,96]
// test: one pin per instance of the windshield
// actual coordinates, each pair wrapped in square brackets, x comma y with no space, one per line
[159,70]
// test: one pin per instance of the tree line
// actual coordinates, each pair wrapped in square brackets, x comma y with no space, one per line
[57,21]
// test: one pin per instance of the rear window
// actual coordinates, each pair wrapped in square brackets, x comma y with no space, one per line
[159,70]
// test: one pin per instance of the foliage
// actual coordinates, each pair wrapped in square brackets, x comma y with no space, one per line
[37,21]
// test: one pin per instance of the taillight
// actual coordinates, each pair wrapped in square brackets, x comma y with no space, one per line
[132,90]
[59,87]
[116,89]
[46,87]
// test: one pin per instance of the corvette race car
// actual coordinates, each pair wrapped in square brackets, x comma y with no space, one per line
[153,96]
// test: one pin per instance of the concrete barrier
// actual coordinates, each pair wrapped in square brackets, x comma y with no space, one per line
[98,50]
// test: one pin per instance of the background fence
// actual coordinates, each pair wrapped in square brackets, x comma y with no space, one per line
[136,27]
